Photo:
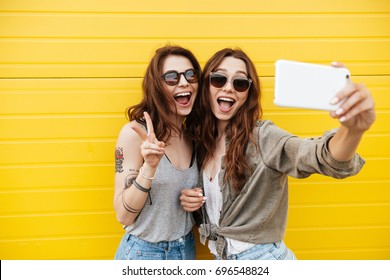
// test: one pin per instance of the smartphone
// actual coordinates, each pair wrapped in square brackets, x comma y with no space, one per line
[308,85]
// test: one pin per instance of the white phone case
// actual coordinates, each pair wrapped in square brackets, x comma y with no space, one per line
[308,85]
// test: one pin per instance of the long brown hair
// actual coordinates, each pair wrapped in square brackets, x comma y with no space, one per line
[154,100]
[239,129]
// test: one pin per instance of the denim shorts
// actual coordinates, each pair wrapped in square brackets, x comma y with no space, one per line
[134,248]
[271,251]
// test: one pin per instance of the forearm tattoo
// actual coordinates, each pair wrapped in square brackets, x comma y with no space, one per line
[119,160]
[129,178]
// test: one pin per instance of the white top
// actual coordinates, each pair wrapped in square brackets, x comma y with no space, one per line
[213,204]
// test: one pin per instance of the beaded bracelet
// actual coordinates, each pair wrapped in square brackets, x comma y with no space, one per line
[144,176]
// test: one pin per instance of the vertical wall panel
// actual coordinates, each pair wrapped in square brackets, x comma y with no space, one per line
[68,70]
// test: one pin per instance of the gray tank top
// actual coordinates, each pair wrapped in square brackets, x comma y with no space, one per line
[165,219]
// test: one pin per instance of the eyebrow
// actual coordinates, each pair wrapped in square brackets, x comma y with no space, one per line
[223,69]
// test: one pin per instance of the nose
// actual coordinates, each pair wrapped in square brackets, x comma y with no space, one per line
[182,80]
[228,86]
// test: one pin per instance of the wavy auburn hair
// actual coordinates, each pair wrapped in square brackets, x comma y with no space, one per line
[154,99]
[239,129]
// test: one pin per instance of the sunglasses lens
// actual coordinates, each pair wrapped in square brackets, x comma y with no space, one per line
[171,78]
[241,85]
[191,75]
[217,80]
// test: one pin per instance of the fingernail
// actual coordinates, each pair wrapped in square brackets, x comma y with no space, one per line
[334,100]
[342,119]
[204,198]
[339,111]
[200,194]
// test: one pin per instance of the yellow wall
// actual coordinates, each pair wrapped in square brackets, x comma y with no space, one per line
[70,68]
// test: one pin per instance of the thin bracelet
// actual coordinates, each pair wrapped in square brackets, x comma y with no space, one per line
[127,207]
[141,188]
[144,176]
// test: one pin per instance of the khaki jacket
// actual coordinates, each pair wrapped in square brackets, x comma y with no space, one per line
[258,214]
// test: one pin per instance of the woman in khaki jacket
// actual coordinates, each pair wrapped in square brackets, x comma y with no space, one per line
[245,161]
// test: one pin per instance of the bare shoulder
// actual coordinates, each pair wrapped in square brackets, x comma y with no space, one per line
[127,133]
[127,148]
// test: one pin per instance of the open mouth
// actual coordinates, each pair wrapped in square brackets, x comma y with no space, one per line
[225,103]
[183,98]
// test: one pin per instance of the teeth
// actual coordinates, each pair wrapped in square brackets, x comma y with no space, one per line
[226,99]
[183,94]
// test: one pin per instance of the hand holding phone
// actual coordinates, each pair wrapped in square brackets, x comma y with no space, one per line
[308,85]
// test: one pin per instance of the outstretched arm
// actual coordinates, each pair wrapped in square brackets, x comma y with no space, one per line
[356,116]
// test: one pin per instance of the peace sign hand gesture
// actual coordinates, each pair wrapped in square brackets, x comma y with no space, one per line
[152,149]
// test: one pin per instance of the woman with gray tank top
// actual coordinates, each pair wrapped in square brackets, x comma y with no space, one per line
[155,160]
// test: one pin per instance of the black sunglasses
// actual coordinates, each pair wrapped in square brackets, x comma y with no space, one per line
[172,78]
[240,84]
